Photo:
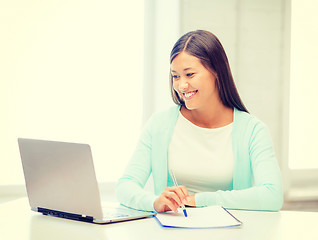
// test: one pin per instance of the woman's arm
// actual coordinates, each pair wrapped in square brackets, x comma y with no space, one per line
[151,147]
[266,193]
[129,189]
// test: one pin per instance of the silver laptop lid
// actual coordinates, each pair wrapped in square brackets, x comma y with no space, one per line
[60,176]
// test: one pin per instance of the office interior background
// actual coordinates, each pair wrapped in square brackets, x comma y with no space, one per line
[94,72]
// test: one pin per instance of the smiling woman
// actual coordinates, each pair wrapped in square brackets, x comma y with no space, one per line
[222,154]
[62,79]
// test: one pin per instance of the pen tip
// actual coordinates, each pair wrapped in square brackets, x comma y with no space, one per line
[185,213]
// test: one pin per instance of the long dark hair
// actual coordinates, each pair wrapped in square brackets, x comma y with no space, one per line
[207,47]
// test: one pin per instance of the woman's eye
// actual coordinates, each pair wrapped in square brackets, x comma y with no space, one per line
[175,76]
[190,74]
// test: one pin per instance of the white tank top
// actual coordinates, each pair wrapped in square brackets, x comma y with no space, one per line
[201,158]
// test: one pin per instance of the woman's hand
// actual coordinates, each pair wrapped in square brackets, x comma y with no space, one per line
[172,198]
[191,201]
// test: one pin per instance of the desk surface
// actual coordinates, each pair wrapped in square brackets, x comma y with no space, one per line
[17,221]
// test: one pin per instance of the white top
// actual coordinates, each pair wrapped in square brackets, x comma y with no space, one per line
[201,158]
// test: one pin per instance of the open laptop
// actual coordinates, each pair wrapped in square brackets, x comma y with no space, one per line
[61,182]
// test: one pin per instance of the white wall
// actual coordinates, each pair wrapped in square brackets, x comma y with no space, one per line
[162,30]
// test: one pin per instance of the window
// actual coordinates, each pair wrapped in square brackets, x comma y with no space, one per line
[303,130]
[71,71]
[303,86]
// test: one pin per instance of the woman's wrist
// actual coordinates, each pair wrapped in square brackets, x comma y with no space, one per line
[191,201]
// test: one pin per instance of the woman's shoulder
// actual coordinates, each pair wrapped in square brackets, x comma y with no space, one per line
[242,118]
[166,114]
[164,117]
[248,126]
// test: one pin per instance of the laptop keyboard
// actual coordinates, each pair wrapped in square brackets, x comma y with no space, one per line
[114,213]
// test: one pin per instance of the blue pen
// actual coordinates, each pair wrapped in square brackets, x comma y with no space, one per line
[176,184]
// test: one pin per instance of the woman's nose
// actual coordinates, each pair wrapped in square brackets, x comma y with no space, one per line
[183,84]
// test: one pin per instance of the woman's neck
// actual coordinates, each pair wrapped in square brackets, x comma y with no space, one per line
[218,116]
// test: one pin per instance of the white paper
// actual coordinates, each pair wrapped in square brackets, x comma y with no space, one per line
[207,217]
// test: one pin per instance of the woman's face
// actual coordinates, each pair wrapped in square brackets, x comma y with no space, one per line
[194,84]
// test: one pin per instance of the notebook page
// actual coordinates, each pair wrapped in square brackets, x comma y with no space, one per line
[207,217]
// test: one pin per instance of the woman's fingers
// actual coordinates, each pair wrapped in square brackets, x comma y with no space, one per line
[171,204]
[171,198]
[181,192]
[185,192]
[174,196]
[163,204]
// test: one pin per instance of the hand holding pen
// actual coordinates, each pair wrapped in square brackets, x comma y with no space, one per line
[172,198]
[176,185]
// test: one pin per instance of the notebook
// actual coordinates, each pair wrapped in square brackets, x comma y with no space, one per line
[61,182]
[205,217]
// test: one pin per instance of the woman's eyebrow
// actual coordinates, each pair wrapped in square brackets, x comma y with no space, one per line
[186,69]
[189,68]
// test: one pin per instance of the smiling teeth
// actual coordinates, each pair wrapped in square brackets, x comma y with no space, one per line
[190,94]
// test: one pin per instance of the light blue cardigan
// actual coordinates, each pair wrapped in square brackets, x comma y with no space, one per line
[257,183]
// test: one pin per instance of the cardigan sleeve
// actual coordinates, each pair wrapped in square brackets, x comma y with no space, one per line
[266,191]
[129,189]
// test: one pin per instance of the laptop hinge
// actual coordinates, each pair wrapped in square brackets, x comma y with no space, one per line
[73,216]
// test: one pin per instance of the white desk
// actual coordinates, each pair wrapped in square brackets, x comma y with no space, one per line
[17,221]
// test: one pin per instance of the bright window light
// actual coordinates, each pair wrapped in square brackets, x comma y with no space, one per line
[71,71]
[303,86]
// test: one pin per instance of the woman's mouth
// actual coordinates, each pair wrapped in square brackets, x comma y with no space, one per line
[189,95]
